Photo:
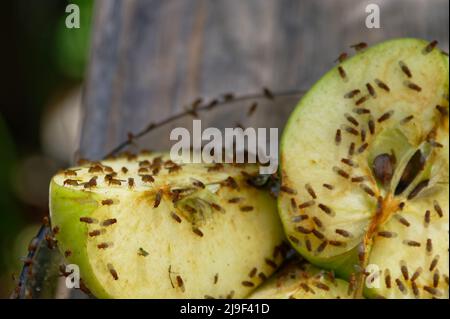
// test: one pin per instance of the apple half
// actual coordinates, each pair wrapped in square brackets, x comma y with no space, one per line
[146,227]
[364,169]
[301,280]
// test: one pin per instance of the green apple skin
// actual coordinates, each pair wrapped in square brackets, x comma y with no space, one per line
[73,205]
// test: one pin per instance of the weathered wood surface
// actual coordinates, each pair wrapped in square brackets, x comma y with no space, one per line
[150,58]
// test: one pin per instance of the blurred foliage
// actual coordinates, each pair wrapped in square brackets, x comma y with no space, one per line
[10,221]
[43,59]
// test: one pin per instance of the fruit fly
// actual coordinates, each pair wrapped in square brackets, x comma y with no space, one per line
[217,207]
[359,46]
[413,86]
[230,182]
[95,169]
[351,119]
[288,190]
[430,47]
[342,72]
[175,217]
[352,93]
[91,183]
[107,202]
[327,210]
[270,263]
[306,204]
[197,231]
[142,252]
[407,119]
[362,99]
[268,94]
[103,245]
[212,103]
[351,149]
[248,284]
[147,178]
[363,147]
[343,232]
[252,109]
[87,220]
[228,97]
[180,282]
[382,85]
[113,272]
[385,116]
[116,182]
[71,182]
[310,191]
[342,57]
[70,172]
[322,246]
[198,184]
[338,137]
[158,198]
[341,172]
[109,222]
[95,233]
[371,90]
[405,69]
[142,170]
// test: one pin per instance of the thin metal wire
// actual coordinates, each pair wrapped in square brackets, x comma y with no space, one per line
[203,107]
[24,274]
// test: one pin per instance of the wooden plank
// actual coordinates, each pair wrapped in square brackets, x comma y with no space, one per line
[150,58]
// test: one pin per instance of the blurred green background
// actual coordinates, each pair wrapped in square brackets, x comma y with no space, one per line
[40,112]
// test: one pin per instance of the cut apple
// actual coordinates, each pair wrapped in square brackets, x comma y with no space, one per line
[146,227]
[300,280]
[364,167]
